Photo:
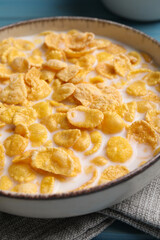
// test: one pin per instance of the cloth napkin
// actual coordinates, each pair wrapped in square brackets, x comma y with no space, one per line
[141,211]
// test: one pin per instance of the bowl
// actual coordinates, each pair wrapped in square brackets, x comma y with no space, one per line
[140,10]
[98,197]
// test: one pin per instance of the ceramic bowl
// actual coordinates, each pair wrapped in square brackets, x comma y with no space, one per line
[140,10]
[98,197]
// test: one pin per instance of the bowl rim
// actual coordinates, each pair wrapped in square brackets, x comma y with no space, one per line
[99,188]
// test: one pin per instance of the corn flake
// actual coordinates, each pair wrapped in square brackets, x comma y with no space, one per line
[54,64]
[5,72]
[25,116]
[142,132]
[68,73]
[47,75]
[15,144]
[83,142]
[134,58]
[26,188]
[127,111]
[104,56]
[43,109]
[67,138]
[99,161]
[86,93]
[22,130]
[153,118]
[47,185]
[115,48]
[20,64]
[5,183]
[144,105]
[96,139]
[63,91]
[138,88]
[7,115]
[122,64]
[112,172]
[23,45]
[118,149]
[83,117]
[56,121]
[53,160]
[21,172]
[2,158]
[38,134]
[15,92]
[152,78]
[24,157]
[106,70]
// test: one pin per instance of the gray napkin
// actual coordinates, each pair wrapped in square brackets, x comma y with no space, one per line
[141,211]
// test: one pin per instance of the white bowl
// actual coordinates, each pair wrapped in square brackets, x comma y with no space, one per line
[99,197]
[141,10]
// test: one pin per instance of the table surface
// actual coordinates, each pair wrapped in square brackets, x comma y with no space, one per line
[12,11]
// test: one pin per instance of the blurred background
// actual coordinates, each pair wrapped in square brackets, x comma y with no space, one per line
[12,11]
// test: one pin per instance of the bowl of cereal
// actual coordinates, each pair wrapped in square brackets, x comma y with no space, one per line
[79,115]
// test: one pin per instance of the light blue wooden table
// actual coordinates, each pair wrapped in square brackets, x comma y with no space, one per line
[12,11]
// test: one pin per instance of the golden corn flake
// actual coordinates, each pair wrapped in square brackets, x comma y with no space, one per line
[7,115]
[2,158]
[86,93]
[115,48]
[63,91]
[144,105]
[5,72]
[153,118]
[118,149]
[47,185]
[153,78]
[83,142]
[5,183]
[112,123]
[99,161]
[15,92]
[76,162]
[32,75]
[112,172]
[138,88]
[12,54]
[142,132]
[56,121]
[15,144]
[94,176]
[21,172]
[97,79]
[86,61]
[106,70]
[108,100]
[52,40]
[55,54]
[78,40]
[134,58]
[127,111]
[38,134]
[54,64]
[26,188]
[53,160]
[79,77]
[47,75]
[96,139]
[68,73]
[23,45]
[137,72]
[104,56]
[24,157]
[35,60]
[151,96]
[122,64]
[25,116]
[43,109]
[100,43]
[22,130]
[67,138]
[83,117]
[20,64]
